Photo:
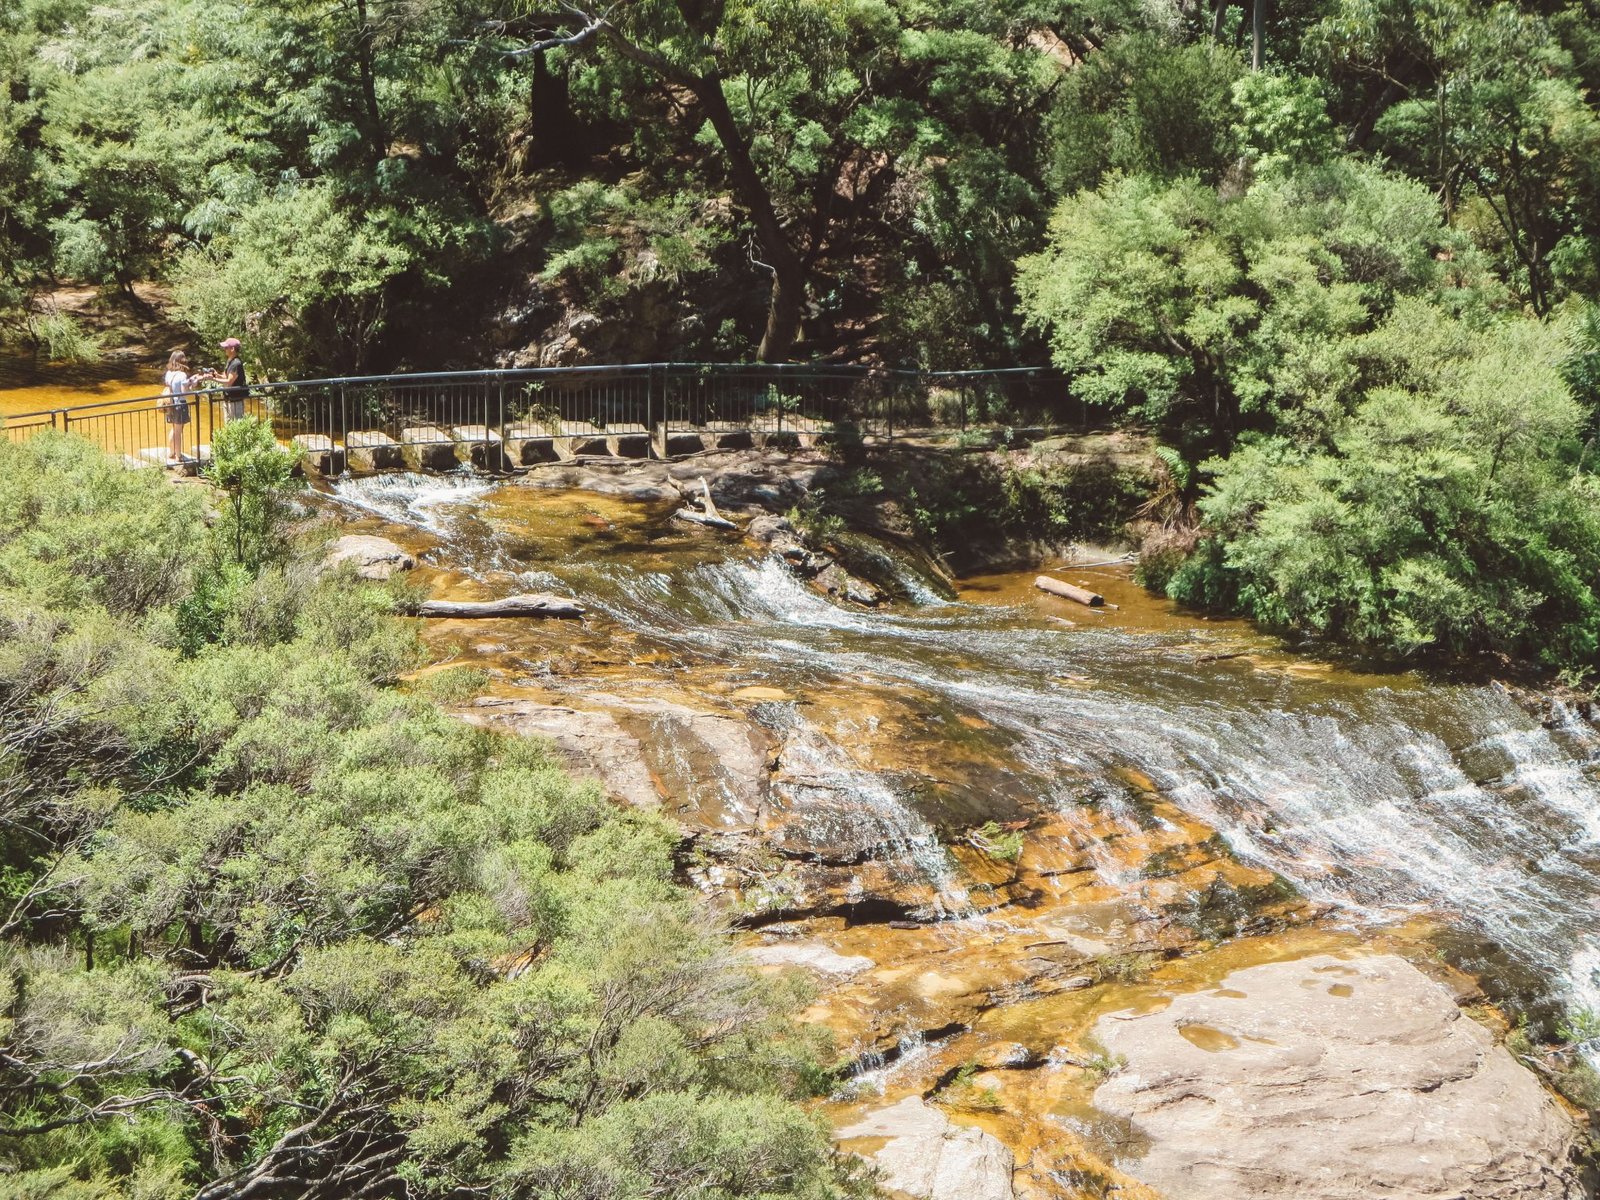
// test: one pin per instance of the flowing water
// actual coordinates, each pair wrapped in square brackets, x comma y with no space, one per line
[1384,796]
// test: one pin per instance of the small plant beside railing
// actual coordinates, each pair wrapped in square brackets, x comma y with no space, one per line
[256,474]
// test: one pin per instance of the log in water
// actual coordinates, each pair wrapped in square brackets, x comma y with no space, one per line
[1070,591]
[700,518]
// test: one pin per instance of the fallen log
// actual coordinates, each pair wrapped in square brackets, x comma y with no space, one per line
[532,605]
[709,516]
[700,518]
[708,504]
[1071,592]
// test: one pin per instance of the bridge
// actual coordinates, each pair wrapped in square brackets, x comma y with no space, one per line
[512,420]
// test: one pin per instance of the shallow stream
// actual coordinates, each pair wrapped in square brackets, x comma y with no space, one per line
[1398,808]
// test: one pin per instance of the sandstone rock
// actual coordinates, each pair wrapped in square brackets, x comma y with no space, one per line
[714,769]
[838,582]
[1325,1079]
[765,528]
[593,745]
[814,955]
[643,482]
[709,770]
[930,1158]
[374,557]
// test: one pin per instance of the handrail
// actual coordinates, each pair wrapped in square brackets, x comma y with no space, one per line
[506,374]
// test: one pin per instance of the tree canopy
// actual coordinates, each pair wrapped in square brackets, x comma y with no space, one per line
[272,926]
[1220,221]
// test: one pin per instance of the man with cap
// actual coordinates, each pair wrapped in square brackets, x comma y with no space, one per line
[234,385]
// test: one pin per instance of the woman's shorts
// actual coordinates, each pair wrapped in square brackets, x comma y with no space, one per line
[178,414]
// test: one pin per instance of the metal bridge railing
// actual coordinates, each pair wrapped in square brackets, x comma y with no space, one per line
[511,419]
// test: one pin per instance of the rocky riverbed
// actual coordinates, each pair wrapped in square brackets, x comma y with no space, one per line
[1095,903]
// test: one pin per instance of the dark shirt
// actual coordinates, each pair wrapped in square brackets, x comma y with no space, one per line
[234,385]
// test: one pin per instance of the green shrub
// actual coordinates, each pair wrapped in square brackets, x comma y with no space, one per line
[254,471]
[60,338]
[77,528]
[1445,516]
[246,879]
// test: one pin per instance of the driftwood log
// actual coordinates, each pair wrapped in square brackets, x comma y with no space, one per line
[708,517]
[700,518]
[1070,591]
[533,605]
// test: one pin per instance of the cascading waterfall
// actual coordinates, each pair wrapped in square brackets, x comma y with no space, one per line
[410,498]
[874,813]
[1384,797]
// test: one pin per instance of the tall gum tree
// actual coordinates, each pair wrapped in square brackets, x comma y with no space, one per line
[819,108]
[693,46]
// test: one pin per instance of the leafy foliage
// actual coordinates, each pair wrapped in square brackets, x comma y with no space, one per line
[1397,450]
[271,927]
[1216,314]
[1444,514]
[254,472]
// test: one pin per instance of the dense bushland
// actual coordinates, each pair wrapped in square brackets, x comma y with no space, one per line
[321,177]
[1342,256]
[271,926]
[1376,384]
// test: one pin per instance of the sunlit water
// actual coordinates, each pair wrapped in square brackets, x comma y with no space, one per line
[1383,796]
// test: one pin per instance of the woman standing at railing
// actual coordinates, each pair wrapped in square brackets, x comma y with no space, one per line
[235,387]
[176,405]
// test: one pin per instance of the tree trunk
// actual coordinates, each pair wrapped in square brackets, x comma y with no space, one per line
[1217,18]
[1068,591]
[1258,20]
[377,139]
[788,271]
[551,125]
[782,259]
[536,605]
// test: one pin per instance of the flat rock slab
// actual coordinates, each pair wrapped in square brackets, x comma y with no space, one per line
[728,439]
[428,448]
[1331,1079]
[321,455]
[706,769]
[592,744]
[814,956]
[628,441]
[579,438]
[639,482]
[670,443]
[481,446]
[528,443]
[928,1157]
[374,557]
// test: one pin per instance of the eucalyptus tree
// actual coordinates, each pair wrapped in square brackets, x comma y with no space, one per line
[1485,103]
[826,116]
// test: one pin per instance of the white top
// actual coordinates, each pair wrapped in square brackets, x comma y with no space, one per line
[176,381]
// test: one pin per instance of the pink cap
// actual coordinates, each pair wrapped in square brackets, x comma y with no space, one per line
[229,343]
